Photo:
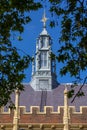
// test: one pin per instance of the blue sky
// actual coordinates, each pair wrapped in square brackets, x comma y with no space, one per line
[32,31]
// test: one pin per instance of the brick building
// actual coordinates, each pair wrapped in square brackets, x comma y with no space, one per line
[43,105]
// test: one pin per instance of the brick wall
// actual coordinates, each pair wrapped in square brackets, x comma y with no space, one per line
[48,118]
[6,117]
[78,117]
[35,116]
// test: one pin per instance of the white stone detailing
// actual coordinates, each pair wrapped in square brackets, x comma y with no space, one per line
[44,32]
[44,76]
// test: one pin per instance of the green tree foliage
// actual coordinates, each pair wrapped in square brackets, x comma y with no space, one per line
[73,39]
[14,14]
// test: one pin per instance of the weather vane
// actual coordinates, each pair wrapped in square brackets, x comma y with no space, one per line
[44,19]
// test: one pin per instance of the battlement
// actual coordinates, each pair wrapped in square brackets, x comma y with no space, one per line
[36,110]
[65,117]
[37,116]
[82,110]
[46,116]
[78,117]
[47,109]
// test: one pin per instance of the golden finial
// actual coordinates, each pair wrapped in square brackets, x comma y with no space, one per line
[44,19]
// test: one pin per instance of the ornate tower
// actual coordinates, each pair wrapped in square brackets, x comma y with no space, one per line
[43,67]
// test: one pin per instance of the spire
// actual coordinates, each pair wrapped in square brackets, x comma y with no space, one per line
[42,75]
[44,19]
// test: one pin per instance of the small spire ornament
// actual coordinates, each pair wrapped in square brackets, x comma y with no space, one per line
[44,19]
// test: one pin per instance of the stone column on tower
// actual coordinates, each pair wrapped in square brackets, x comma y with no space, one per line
[16,111]
[66,110]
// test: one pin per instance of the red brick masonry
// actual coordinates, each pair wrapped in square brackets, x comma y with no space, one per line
[47,116]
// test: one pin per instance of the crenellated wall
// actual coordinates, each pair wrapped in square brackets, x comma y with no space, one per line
[65,118]
[78,117]
[6,117]
[47,119]
[35,116]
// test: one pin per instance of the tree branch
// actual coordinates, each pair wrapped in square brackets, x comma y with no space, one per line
[81,2]
[79,89]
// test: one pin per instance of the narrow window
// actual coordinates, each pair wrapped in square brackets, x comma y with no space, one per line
[43,59]
[43,42]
